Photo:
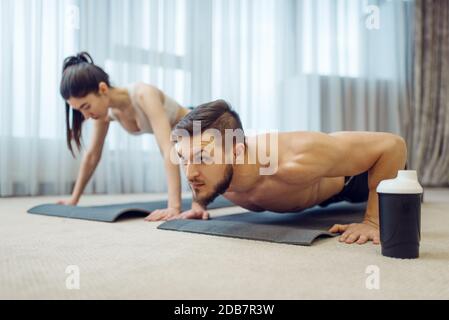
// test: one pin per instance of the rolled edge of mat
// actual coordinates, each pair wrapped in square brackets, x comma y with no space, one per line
[36,209]
[309,235]
[70,214]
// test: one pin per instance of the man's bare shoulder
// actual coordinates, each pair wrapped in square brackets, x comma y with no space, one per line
[293,138]
[345,153]
[296,144]
[302,141]
[292,150]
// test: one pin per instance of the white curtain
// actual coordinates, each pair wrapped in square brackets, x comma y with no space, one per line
[323,65]
[34,40]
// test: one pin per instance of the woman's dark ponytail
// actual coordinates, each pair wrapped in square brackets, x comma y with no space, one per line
[82,57]
[80,77]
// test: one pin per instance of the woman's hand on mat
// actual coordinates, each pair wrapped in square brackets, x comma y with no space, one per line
[200,214]
[68,202]
[163,214]
[359,233]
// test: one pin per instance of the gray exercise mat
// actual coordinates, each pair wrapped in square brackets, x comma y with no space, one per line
[290,228]
[114,212]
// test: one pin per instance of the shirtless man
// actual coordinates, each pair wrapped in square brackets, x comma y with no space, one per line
[313,168]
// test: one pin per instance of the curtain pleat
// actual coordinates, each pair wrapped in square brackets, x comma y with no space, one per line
[429,136]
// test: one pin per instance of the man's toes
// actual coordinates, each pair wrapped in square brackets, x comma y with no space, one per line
[376,240]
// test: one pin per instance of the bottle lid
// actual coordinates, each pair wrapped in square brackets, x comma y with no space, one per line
[405,183]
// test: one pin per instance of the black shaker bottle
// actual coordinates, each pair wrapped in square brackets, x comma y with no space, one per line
[400,215]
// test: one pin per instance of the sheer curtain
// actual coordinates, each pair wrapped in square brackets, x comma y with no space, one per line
[322,65]
[34,39]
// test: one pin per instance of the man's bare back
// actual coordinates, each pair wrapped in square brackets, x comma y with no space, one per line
[275,193]
[279,192]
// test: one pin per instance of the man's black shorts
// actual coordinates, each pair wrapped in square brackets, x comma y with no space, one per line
[355,190]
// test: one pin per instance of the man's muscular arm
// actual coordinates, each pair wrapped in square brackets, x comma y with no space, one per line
[347,154]
[392,158]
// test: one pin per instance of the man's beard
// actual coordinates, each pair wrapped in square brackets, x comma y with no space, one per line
[220,188]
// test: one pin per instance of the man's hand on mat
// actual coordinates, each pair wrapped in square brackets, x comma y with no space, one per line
[359,233]
[68,202]
[200,214]
[163,214]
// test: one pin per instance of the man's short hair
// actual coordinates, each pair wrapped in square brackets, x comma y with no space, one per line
[217,115]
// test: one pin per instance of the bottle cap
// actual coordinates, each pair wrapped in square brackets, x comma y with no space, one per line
[405,183]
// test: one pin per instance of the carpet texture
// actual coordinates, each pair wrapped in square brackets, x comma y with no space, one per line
[134,260]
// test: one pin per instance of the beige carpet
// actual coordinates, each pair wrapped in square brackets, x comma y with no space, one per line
[134,260]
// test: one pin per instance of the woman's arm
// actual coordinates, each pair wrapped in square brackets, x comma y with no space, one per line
[151,102]
[90,161]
